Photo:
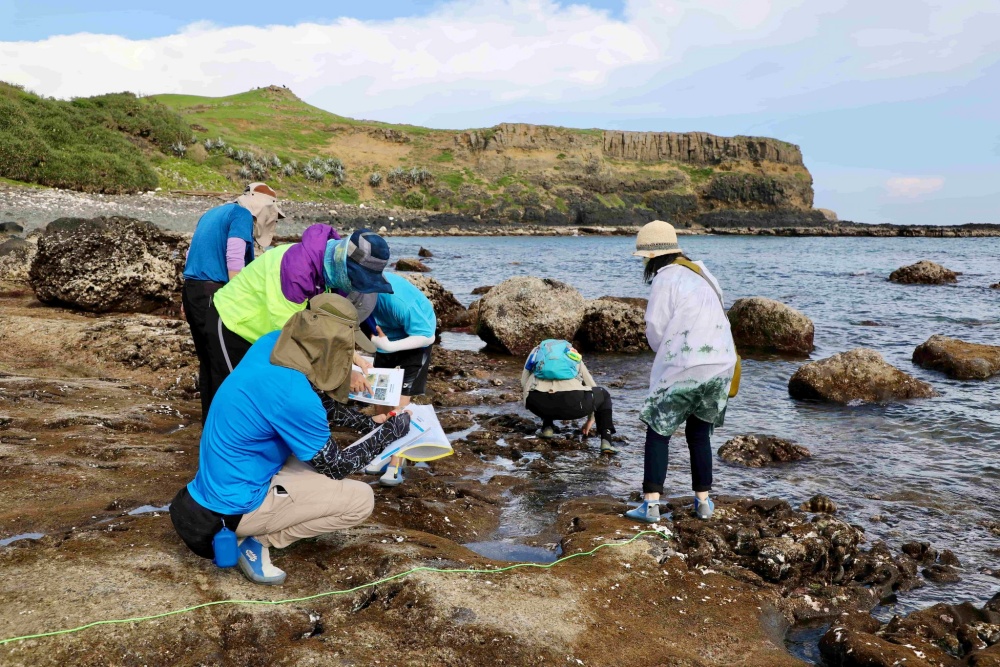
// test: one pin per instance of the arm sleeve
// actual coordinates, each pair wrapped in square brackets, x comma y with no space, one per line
[338,463]
[408,343]
[586,377]
[236,254]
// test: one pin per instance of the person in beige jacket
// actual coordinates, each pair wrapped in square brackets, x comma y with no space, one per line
[568,399]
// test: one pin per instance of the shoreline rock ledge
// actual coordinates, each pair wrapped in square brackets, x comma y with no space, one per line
[766,325]
[521,312]
[856,376]
[924,272]
[958,359]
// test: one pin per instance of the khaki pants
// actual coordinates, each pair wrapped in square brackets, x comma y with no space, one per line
[315,505]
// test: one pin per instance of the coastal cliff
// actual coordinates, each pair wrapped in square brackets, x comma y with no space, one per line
[510,174]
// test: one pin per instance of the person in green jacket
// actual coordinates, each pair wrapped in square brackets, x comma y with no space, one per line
[262,297]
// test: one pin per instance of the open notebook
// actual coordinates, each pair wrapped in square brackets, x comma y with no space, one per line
[425,441]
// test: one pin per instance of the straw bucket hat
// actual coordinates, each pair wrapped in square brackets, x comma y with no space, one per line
[656,238]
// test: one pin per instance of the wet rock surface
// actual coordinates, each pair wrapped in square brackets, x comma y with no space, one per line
[945,634]
[757,451]
[958,359]
[416,265]
[424,252]
[924,273]
[611,325]
[448,310]
[108,264]
[765,325]
[856,376]
[819,504]
[84,438]
[521,312]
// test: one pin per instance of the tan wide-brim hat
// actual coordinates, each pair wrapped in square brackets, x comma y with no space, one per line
[320,342]
[656,238]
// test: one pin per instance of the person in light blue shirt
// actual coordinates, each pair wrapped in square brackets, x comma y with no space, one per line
[405,328]
[269,468]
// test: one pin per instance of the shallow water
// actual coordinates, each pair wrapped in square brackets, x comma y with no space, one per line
[924,470]
[23,536]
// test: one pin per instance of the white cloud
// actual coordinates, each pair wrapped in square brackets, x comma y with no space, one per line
[462,60]
[912,187]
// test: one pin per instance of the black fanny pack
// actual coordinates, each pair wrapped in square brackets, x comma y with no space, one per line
[197,525]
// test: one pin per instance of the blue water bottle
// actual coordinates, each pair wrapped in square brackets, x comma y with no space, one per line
[224,546]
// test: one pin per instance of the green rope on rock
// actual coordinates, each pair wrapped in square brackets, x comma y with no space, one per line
[370,584]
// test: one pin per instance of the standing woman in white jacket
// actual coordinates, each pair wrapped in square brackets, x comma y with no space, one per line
[687,327]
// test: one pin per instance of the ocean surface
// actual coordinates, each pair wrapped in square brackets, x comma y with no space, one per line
[924,470]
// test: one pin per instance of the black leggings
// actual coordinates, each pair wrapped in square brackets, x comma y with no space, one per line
[565,405]
[698,434]
[225,350]
[196,296]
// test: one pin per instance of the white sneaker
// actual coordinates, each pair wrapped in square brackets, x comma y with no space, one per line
[393,476]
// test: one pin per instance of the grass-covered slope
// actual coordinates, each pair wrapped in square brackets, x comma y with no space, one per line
[97,144]
[510,172]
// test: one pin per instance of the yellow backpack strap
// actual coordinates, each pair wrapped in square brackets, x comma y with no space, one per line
[697,269]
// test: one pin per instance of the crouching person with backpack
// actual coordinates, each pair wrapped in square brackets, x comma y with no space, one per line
[557,385]
[269,468]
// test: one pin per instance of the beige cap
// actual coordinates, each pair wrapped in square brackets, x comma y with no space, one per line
[656,238]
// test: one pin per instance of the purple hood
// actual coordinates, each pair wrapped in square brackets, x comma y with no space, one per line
[302,265]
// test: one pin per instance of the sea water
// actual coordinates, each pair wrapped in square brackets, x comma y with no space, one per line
[922,470]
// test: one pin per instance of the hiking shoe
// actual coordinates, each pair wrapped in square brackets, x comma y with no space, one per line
[647,512]
[255,561]
[704,508]
[607,447]
[393,476]
[547,432]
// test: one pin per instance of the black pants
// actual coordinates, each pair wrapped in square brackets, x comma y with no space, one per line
[225,350]
[196,296]
[699,439]
[574,405]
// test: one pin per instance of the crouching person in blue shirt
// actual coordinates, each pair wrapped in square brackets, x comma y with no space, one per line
[269,468]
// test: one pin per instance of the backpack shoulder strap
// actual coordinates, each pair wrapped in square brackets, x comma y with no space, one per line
[697,269]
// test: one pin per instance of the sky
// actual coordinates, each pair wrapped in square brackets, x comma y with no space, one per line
[893,102]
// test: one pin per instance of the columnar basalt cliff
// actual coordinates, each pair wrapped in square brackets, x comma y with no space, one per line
[697,148]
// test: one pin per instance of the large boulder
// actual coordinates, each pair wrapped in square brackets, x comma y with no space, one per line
[613,325]
[765,325]
[10,228]
[108,264]
[958,359]
[859,375]
[923,273]
[450,312]
[405,264]
[521,312]
[16,255]
[757,451]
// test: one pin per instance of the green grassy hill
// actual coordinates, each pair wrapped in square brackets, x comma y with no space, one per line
[511,172]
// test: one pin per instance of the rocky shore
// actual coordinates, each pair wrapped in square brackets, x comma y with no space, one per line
[99,428]
[35,207]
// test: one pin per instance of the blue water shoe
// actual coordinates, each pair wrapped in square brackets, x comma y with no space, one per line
[647,512]
[255,561]
[704,508]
